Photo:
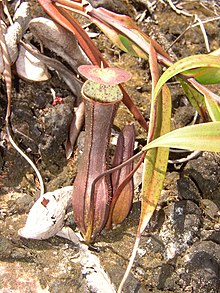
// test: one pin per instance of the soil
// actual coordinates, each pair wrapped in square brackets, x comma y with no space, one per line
[180,249]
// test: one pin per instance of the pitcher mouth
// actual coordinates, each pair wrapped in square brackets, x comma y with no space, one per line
[101,93]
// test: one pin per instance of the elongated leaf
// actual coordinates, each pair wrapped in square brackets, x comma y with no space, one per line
[65,19]
[155,166]
[185,64]
[61,16]
[195,98]
[156,160]
[213,106]
[215,53]
[124,33]
[201,137]
[208,75]
[205,75]
[212,101]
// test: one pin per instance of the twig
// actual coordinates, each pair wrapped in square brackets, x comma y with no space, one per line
[198,23]
[178,11]
[130,264]
[209,19]
[6,11]
[193,155]
[6,72]
[41,182]
[203,32]
[214,6]
[8,81]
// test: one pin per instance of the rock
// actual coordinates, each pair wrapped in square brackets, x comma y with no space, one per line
[210,208]
[55,121]
[17,278]
[6,247]
[202,267]
[183,116]
[205,171]
[24,203]
[188,190]
[181,227]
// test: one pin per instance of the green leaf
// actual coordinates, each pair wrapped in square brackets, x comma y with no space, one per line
[205,75]
[155,163]
[129,47]
[195,98]
[212,106]
[125,34]
[183,66]
[201,137]
[212,101]
[156,160]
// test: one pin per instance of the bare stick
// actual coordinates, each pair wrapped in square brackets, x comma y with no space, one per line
[130,264]
[41,182]
[204,33]
[200,23]
[8,81]
[178,11]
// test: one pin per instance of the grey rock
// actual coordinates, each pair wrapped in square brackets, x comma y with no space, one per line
[205,171]
[188,190]
[202,267]
[181,227]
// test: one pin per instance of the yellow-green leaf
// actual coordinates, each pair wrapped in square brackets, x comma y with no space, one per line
[156,160]
[184,65]
[212,101]
[205,75]
[200,137]
[196,98]
[125,34]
